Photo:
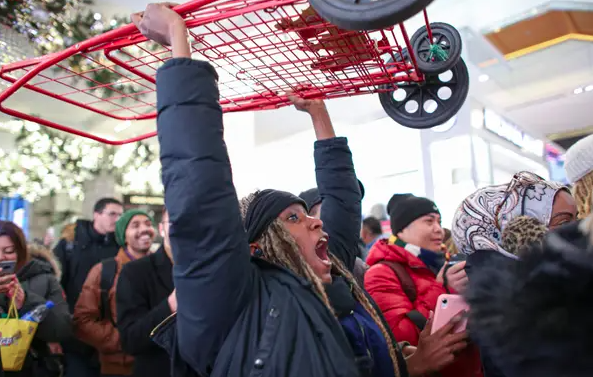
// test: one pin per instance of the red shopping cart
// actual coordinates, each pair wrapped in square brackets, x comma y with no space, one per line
[262,49]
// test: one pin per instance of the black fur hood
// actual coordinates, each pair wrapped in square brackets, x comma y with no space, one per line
[534,315]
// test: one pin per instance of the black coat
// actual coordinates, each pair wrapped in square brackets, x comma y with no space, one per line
[237,316]
[533,315]
[143,288]
[77,257]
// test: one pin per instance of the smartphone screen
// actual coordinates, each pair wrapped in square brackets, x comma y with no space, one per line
[7,267]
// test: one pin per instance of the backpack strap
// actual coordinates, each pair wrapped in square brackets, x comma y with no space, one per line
[409,288]
[108,272]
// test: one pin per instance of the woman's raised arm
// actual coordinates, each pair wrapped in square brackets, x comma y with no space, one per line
[213,275]
[337,183]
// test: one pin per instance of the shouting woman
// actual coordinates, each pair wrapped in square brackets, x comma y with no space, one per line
[262,288]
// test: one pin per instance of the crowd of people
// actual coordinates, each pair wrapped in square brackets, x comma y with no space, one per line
[284,285]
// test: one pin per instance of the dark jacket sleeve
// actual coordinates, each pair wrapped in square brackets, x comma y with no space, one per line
[57,326]
[339,190]
[213,274]
[135,318]
[61,252]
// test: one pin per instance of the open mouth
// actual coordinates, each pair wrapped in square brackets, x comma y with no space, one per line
[145,238]
[321,251]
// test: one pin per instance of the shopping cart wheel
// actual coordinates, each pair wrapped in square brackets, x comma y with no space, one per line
[430,103]
[367,14]
[440,54]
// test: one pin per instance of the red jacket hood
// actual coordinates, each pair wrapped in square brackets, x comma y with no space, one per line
[383,251]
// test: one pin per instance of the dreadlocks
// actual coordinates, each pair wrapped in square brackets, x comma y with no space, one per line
[279,247]
[583,194]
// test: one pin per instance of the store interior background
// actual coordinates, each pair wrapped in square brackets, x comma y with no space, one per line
[531,71]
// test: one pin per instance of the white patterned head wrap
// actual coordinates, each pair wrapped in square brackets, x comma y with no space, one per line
[482,216]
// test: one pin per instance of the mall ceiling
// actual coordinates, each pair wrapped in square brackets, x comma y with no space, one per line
[549,54]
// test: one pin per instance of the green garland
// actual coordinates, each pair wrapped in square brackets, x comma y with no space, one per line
[46,162]
[51,26]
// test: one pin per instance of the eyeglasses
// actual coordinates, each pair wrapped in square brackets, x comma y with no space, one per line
[521,179]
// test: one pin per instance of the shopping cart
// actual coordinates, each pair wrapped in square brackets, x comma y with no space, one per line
[262,50]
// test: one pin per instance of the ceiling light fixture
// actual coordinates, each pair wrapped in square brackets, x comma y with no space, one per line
[578,91]
[588,88]
[483,78]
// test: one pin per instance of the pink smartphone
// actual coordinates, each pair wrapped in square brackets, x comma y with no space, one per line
[448,306]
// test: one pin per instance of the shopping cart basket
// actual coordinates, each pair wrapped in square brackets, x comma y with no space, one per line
[262,50]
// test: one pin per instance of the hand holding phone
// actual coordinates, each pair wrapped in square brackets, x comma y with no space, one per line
[455,275]
[436,348]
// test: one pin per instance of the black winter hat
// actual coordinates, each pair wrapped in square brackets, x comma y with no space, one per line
[403,209]
[312,197]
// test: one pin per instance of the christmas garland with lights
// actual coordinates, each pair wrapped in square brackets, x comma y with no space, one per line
[54,25]
[46,162]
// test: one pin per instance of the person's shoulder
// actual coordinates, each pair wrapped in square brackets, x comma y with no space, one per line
[94,275]
[39,276]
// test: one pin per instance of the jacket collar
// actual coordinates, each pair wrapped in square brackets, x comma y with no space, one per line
[384,250]
[415,250]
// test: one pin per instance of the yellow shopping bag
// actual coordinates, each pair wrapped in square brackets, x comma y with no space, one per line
[15,339]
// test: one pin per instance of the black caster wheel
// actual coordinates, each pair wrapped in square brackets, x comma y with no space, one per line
[367,14]
[439,55]
[428,104]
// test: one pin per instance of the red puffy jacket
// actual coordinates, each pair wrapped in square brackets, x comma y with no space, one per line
[385,288]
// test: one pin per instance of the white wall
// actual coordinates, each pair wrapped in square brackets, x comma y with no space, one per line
[382,150]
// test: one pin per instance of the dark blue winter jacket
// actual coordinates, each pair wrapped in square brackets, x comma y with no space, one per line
[238,316]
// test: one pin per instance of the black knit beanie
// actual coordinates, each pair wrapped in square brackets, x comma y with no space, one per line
[403,209]
[265,207]
[312,197]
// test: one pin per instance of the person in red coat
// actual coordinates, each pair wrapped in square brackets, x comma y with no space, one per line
[405,279]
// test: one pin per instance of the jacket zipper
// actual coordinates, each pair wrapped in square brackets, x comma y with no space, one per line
[164,322]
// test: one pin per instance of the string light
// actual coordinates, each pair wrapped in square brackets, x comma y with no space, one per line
[49,162]
[51,26]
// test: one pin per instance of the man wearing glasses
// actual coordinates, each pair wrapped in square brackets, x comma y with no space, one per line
[89,243]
